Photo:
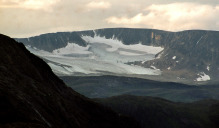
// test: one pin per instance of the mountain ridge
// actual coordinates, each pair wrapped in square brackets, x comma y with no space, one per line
[108,86]
[148,111]
[33,96]
[181,58]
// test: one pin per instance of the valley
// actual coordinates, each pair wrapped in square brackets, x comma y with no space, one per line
[128,84]
[109,64]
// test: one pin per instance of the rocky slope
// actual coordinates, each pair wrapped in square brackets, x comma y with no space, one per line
[32,96]
[189,56]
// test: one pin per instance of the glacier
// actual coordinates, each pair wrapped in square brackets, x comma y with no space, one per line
[100,56]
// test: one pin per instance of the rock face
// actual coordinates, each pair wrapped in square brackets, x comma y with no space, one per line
[51,41]
[185,54]
[191,55]
[32,96]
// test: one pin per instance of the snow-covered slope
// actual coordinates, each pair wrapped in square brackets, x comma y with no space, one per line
[100,56]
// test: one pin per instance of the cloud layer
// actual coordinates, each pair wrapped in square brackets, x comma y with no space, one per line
[173,17]
[28,4]
[98,5]
[23,18]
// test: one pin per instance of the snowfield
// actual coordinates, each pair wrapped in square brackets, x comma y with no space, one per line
[72,48]
[116,44]
[100,56]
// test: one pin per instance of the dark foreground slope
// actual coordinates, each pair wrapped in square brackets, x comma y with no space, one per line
[158,113]
[32,96]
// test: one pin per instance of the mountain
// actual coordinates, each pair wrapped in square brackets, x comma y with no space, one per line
[32,96]
[188,56]
[153,112]
[108,86]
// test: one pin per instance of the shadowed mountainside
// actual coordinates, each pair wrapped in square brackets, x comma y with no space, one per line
[107,86]
[158,113]
[33,96]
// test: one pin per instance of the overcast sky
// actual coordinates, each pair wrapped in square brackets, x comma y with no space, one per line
[24,18]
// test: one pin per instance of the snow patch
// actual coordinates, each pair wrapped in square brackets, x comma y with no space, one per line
[159,55]
[72,48]
[208,67]
[174,57]
[180,78]
[58,69]
[153,67]
[143,62]
[203,77]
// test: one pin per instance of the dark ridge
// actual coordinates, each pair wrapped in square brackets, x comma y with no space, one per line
[52,41]
[153,112]
[107,86]
[33,97]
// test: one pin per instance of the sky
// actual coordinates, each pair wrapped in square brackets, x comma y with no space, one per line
[25,18]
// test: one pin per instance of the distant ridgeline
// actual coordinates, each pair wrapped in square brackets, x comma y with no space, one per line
[192,55]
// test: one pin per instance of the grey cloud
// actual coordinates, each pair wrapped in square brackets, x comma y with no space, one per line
[72,15]
[173,17]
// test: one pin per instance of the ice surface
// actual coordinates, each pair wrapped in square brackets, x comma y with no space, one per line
[59,69]
[72,48]
[100,56]
[116,44]
[128,53]
[38,52]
